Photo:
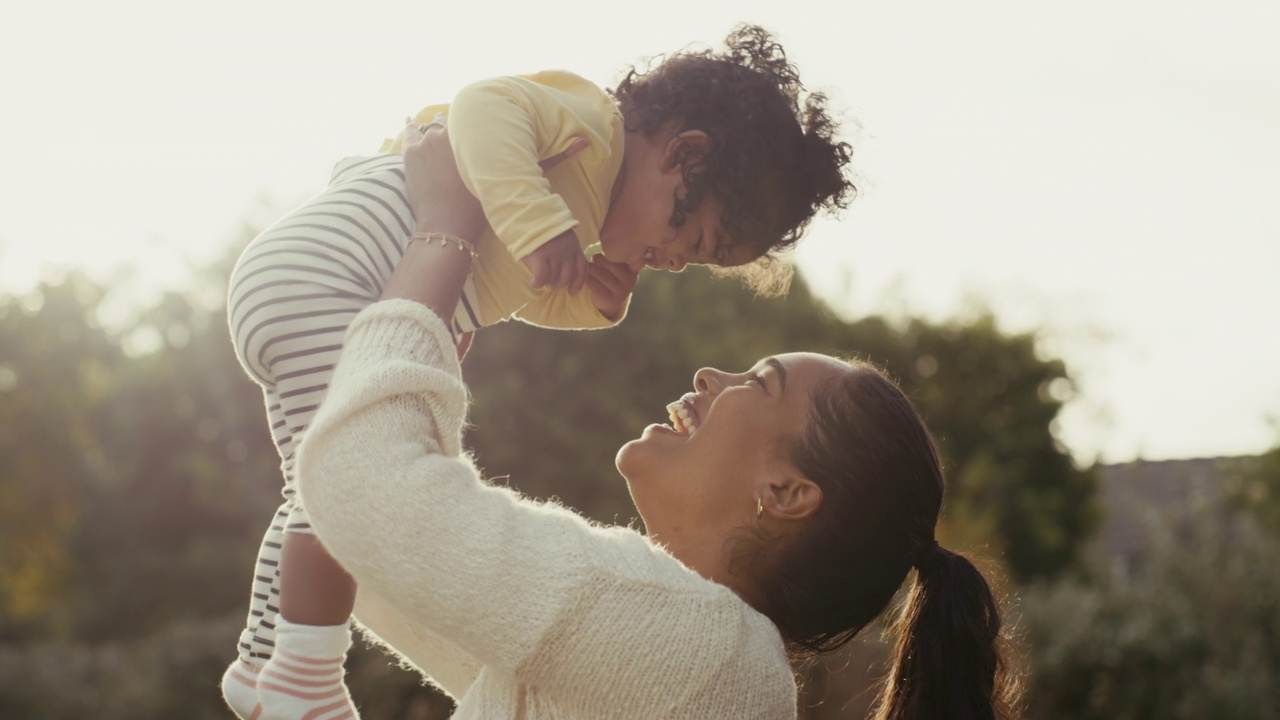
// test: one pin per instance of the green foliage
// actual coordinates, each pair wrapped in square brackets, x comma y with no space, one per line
[54,365]
[1190,629]
[1256,487]
[133,483]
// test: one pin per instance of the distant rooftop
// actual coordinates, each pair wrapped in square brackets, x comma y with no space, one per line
[1159,491]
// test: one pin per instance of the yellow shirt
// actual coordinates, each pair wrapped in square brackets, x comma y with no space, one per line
[499,130]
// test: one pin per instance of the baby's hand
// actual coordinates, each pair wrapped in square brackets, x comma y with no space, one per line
[559,263]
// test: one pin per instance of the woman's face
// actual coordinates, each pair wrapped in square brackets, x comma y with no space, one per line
[701,476]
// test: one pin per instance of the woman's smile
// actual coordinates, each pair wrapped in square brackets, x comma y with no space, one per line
[685,418]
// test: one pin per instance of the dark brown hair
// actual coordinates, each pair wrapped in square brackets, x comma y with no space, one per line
[773,160]
[882,482]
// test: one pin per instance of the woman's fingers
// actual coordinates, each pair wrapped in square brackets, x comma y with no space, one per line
[602,277]
[618,272]
[411,135]
[439,199]
[597,288]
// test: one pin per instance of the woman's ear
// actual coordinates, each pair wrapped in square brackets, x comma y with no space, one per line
[791,496]
[683,146]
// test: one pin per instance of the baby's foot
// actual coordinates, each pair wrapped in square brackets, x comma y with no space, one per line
[303,678]
[240,690]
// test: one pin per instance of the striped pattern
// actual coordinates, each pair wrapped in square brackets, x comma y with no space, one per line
[309,688]
[294,291]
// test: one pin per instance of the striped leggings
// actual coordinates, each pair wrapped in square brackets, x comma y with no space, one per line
[293,292]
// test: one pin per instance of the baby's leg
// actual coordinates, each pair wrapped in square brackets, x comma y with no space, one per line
[257,640]
[293,293]
[288,332]
[312,633]
[314,589]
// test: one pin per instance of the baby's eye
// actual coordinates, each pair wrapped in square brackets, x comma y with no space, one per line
[697,247]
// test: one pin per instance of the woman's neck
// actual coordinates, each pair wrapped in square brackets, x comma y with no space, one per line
[712,558]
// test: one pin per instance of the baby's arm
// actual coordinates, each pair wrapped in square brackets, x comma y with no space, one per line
[605,304]
[499,130]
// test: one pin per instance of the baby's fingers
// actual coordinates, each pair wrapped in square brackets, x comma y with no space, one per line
[541,273]
[579,278]
[565,275]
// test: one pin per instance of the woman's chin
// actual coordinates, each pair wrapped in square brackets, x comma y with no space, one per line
[648,452]
[630,458]
[644,452]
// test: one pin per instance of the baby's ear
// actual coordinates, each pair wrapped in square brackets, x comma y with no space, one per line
[690,144]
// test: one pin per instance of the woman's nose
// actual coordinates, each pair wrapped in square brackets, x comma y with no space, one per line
[708,380]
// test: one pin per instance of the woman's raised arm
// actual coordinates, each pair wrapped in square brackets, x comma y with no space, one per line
[433,273]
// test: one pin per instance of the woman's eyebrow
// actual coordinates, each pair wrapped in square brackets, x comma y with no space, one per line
[776,364]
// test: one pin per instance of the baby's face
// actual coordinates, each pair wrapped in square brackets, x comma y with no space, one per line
[638,232]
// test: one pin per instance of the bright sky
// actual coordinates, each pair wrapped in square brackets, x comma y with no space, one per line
[1103,170]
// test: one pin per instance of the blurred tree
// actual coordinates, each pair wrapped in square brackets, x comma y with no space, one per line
[56,365]
[191,482]
[1255,486]
[1190,630]
[138,469]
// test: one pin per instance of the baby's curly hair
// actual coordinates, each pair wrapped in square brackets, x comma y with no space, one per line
[773,159]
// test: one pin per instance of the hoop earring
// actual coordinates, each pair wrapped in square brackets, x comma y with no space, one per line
[759,508]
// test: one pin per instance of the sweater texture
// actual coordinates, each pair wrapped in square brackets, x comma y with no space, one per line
[517,609]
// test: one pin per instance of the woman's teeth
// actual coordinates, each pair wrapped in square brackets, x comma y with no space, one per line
[681,419]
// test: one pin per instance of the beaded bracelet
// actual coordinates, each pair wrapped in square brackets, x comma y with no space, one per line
[443,239]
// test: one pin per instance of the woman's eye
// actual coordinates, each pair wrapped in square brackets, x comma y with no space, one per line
[759,380]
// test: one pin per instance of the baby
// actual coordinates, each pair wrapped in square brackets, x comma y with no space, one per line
[708,158]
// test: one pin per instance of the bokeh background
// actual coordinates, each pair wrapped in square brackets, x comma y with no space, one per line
[1064,248]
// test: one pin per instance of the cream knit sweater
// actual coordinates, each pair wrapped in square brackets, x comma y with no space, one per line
[515,608]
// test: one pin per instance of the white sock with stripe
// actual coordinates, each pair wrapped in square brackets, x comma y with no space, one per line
[240,689]
[303,680]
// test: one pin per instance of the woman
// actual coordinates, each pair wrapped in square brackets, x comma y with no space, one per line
[783,511]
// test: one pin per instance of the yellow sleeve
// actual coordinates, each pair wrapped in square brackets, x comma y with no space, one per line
[555,308]
[499,129]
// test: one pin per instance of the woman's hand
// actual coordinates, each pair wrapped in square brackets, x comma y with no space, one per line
[434,274]
[439,200]
[610,284]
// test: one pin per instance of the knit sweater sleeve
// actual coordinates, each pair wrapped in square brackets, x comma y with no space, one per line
[526,589]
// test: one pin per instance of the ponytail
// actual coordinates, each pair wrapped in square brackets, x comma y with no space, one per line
[882,483]
[948,647]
